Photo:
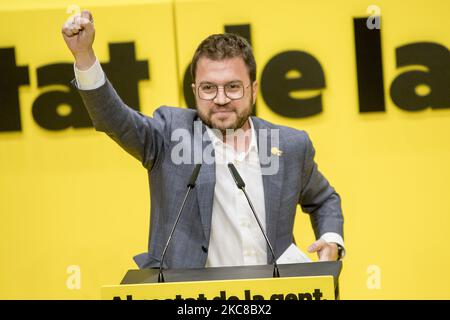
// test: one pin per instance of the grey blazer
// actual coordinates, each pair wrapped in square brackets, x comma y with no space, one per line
[297,180]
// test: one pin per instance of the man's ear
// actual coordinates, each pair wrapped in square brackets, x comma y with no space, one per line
[193,88]
[254,91]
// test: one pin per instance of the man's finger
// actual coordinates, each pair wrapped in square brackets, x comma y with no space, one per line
[86,24]
[86,14]
[80,21]
[68,30]
[72,19]
[65,31]
[316,246]
[71,26]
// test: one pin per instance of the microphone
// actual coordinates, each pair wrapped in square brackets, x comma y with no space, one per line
[241,185]
[190,185]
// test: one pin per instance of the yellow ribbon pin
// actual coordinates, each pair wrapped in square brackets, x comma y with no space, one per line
[277,152]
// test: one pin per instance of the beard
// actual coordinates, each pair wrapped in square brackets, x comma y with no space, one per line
[226,117]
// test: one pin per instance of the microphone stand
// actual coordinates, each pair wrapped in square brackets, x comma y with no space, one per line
[190,186]
[241,185]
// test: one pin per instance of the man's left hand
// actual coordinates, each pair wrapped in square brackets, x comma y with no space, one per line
[326,251]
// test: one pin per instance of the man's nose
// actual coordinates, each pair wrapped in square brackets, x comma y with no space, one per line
[221,98]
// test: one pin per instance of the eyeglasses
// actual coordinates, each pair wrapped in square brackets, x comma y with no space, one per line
[233,90]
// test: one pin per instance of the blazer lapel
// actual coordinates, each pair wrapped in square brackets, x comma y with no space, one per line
[272,183]
[206,180]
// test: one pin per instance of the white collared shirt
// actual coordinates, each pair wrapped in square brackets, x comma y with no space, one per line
[236,238]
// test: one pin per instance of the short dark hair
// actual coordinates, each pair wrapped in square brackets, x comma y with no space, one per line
[223,46]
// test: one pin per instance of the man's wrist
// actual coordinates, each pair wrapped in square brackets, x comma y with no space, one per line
[90,79]
[85,59]
[333,237]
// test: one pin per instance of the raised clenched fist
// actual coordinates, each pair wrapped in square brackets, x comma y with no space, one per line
[79,33]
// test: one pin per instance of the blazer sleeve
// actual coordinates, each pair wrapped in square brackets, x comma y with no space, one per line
[141,136]
[318,198]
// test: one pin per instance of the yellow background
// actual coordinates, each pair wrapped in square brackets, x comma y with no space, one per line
[73,197]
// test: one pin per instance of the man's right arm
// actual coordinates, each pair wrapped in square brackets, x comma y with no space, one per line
[141,136]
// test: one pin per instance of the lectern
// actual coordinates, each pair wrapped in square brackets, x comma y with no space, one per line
[302,281]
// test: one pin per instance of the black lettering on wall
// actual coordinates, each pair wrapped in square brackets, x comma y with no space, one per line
[434,74]
[11,77]
[244,30]
[45,107]
[277,88]
[369,67]
[188,94]
[124,72]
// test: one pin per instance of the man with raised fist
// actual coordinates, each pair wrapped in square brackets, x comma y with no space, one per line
[217,227]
